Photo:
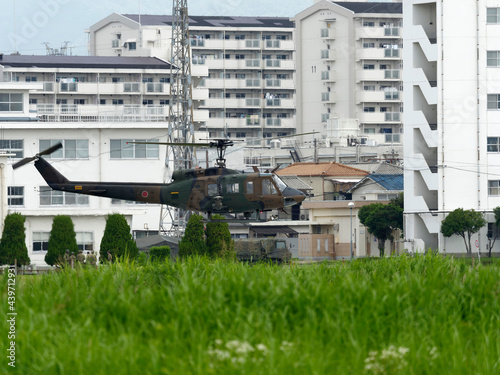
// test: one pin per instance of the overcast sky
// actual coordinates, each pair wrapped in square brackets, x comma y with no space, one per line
[26,24]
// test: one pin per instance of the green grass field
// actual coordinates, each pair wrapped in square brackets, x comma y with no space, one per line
[422,315]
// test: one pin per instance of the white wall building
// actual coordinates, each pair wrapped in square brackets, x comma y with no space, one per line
[93,105]
[451,110]
[250,63]
[348,66]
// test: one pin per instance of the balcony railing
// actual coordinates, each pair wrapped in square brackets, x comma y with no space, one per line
[252,102]
[252,43]
[154,87]
[253,82]
[69,86]
[197,42]
[252,63]
[392,116]
[273,122]
[276,102]
[391,52]
[391,74]
[273,63]
[131,87]
[98,113]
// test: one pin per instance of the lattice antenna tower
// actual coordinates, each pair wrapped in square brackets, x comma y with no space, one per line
[180,128]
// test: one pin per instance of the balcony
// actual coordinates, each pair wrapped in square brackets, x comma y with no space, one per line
[378,75]
[377,53]
[377,96]
[379,117]
[100,113]
[378,32]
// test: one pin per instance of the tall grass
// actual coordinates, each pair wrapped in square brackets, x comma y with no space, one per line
[422,315]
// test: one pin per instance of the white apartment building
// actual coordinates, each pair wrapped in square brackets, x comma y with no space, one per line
[348,66]
[452,96]
[250,63]
[93,105]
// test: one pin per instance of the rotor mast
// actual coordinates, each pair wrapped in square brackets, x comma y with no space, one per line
[180,127]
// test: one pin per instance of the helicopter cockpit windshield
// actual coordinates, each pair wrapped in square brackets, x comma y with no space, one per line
[279,183]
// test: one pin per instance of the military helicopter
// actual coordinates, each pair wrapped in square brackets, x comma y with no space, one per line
[215,190]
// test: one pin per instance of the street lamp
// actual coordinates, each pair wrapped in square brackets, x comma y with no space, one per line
[351,205]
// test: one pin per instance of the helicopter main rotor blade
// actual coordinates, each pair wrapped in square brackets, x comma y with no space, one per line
[292,135]
[47,151]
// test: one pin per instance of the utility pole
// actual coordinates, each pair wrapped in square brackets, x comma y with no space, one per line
[180,127]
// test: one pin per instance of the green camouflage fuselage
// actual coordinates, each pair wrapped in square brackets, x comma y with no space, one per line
[213,190]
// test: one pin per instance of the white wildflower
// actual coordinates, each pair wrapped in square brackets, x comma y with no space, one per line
[218,342]
[244,348]
[433,352]
[233,344]
[262,348]
[286,345]
[402,350]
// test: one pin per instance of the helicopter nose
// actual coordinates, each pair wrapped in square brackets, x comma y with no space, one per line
[293,196]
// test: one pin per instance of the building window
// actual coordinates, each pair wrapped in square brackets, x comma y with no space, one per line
[85,241]
[368,109]
[368,45]
[324,33]
[15,195]
[493,101]
[49,197]
[325,96]
[117,101]
[72,148]
[494,187]
[493,144]
[325,54]
[30,79]
[122,149]
[132,46]
[493,58]
[41,241]
[325,75]
[325,117]
[369,24]
[493,15]
[369,67]
[13,146]
[11,102]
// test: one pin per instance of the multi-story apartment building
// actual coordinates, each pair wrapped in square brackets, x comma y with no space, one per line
[250,62]
[451,110]
[93,105]
[343,81]
[348,65]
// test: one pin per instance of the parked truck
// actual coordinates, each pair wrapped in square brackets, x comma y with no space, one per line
[254,250]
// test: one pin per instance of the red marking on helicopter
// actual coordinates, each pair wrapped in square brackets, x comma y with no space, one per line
[145,194]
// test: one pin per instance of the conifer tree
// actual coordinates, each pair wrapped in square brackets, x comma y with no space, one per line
[218,239]
[62,238]
[117,239]
[193,242]
[13,244]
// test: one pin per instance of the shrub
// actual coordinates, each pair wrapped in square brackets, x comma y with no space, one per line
[159,253]
[193,243]
[62,238]
[218,239]
[13,245]
[117,239]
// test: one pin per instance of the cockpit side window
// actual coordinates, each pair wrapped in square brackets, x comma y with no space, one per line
[268,187]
